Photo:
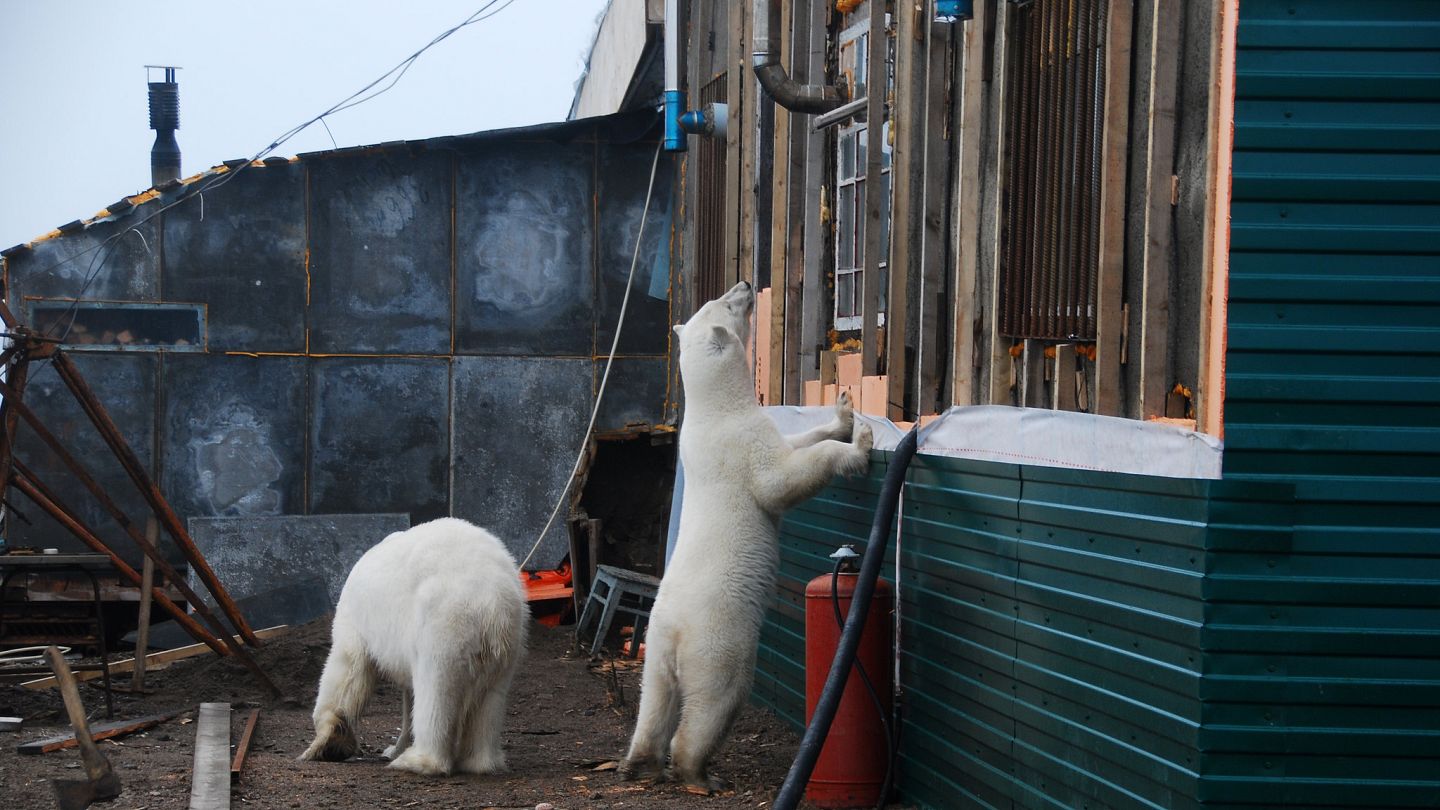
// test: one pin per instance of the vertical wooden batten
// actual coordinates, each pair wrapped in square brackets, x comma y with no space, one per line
[969,135]
[1210,410]
[1154,321]
[815,299]
[932,296]
[1115,141]
[875,125]
[1000,362]
[907,125]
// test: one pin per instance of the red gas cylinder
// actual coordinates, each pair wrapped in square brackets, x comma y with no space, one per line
[851,768]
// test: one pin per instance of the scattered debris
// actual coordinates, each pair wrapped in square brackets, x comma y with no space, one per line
[104,731]
[11,723]
[153,661]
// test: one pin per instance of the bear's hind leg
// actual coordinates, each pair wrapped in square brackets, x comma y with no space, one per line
[441,683]
[345,687]
[659,713]
[404,739]
[482,751]
[711,703]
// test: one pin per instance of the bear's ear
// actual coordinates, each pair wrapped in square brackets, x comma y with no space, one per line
[719,337]
[679,329]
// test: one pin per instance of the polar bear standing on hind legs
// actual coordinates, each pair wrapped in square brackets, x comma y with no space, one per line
[741,476]
[439,610]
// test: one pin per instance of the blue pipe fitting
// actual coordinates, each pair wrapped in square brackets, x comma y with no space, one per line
[955,9]
[674,134]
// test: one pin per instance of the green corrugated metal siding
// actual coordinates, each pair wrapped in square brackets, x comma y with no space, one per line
[1073,639]
[1323,646]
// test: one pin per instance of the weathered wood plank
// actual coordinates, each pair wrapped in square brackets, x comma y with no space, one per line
[242,748]
[1211,394]
[153,661]
[1114,142]
[929,380]
[210,777]
[875,119]
[1160,167]
[1001,364]
[103,731]
[969,129]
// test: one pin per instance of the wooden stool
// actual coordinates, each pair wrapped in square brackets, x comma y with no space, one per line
[616,590]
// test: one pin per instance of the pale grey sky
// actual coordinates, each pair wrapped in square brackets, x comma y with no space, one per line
[74,122]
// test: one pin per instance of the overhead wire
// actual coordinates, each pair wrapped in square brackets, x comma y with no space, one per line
[106,248]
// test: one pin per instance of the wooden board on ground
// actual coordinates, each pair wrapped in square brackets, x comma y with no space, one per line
[103,731]
[153,661]
[210,779]
[242,748]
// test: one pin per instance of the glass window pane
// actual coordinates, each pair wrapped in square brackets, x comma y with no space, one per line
[863,140]
[845,228]
[885,216]
[862,62]
[847,155]
[885,148]
[860,228]
[844,295]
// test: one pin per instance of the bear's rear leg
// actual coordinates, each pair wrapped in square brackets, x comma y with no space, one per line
[659,712]
[405,738]
[441,685]
[345,687]
[484,753]
[704,723]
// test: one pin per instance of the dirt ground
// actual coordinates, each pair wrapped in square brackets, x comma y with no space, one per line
[567,717]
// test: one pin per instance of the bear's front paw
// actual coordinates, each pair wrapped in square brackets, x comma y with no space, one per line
[863,441]
[414,761]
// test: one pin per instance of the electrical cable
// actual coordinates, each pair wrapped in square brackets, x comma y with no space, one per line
[604,378]
[103,250]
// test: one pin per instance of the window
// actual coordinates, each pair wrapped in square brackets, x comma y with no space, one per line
[122,326]
[850,190]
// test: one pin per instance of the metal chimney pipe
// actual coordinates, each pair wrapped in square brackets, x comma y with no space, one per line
[788,93]
[164,119]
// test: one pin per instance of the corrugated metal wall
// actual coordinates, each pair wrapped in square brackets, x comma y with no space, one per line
[1325,647]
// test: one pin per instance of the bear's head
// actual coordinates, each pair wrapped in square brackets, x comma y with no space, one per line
[712,342]
[720,324]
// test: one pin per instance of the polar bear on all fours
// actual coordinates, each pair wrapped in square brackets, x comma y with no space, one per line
[438,609]
[741,476]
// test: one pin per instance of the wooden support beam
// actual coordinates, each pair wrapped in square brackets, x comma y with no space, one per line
[210,777]
[931,298]
[1154,316]
[1114,143]
[1002,365]
[875,72]
[142,627]
[907,128]
[736,75]
[970,129]
[816,301]
[797,54]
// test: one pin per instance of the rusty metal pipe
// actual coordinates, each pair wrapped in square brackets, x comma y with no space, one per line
[108,504]
[43,499]
[108,430]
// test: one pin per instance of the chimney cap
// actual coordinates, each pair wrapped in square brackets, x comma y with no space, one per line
[169,71]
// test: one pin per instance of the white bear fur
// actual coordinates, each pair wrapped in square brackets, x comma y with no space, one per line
[439,610]
[741,476]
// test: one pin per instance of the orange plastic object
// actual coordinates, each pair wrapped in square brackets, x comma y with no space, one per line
[550,593]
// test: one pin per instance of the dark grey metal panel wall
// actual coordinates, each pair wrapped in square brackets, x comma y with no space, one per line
[229,435]
[1327,641]
[512,458]
[380,436]
[380,254]
[525,251]
[241,252]
[366,253]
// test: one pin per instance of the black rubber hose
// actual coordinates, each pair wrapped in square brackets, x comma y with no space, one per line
[799,776]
